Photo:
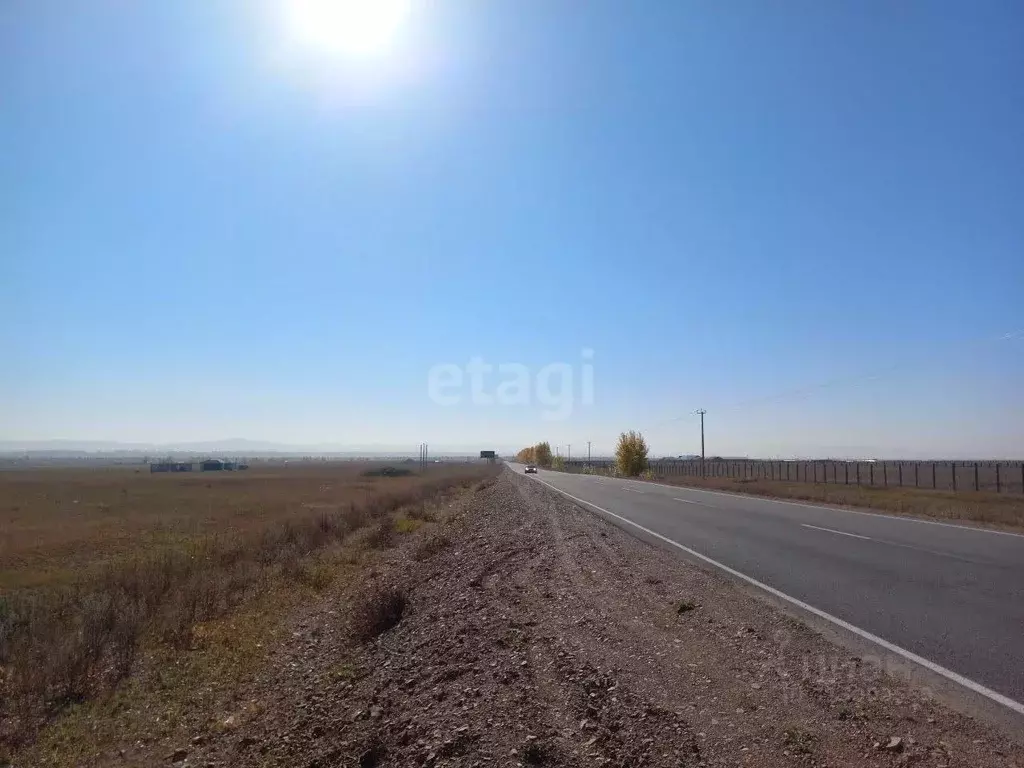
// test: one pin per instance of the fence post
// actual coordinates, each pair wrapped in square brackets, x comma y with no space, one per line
[858,473]
[952,466]
[846,472]
[901,474]
[917,474]
[871,469]
[885,474]
[976,488]
[998,490]
[934,486]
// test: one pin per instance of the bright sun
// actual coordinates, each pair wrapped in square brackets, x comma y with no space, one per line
[347,27]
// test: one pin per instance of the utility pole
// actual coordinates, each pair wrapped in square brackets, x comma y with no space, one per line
[588,451]
[569,452]
[702,412]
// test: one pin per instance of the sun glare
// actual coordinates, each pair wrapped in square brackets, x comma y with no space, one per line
[346,27]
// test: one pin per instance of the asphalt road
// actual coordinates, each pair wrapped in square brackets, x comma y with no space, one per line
[951,594]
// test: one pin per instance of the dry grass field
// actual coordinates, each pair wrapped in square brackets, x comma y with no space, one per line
[98,565]
[56,523]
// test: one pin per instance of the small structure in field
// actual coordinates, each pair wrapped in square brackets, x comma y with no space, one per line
[221,465]
[170,466]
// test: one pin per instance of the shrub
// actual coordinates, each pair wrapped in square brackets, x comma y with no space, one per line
[376,611]
[382,536]
[631,454]
[430,546]
[407,525]
[685,606]
[799,740]
[558,464]
[420,512]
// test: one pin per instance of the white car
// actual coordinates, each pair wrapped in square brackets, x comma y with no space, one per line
[530,469]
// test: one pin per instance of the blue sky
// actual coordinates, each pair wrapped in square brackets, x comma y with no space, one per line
[206,233]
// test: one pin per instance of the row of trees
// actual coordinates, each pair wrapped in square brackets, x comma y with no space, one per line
[630,455]
[539,454]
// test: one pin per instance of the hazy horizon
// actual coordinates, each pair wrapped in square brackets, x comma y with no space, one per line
[258,447]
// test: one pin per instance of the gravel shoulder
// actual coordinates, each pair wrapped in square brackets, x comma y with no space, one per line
[538,634]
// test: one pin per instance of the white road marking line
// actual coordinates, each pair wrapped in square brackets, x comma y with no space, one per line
[841,533]
[686,501]
[949,674]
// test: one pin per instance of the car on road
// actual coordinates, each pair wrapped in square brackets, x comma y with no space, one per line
[530,468]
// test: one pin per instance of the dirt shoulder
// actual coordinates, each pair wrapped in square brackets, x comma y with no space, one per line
[535,633]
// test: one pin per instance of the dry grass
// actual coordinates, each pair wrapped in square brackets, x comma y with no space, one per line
[429,546]
[54,522]
[96,563]
[1000,510]
[377,610]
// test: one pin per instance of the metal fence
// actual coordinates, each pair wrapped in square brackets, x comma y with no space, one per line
[992,476]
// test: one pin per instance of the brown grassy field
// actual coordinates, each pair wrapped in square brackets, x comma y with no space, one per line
[998,510]
[55,523]
[97,565]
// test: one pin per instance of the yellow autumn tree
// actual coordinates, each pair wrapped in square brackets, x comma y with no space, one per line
[525,456]
[631,454]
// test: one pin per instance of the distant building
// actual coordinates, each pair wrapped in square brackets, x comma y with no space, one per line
[221,465]
[170,466]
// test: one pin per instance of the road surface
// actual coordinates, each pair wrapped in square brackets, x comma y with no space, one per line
[952,595]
